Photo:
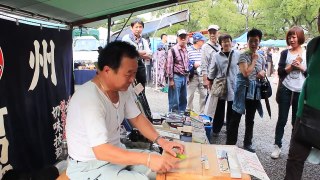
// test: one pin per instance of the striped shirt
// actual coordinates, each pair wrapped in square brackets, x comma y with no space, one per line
[194,55]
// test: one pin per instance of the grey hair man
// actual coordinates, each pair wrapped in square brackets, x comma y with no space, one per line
[209,49]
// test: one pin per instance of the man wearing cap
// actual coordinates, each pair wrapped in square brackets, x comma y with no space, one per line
[209,49]
[177,70]
[196,79]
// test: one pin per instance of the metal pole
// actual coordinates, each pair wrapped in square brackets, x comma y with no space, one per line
[124,25]
[109,27]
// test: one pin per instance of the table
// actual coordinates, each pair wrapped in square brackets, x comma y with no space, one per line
[82,76]
[192,168]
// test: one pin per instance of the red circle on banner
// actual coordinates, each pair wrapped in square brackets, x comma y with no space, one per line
[1,63]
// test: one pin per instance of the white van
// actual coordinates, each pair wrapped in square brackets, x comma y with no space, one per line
[85,51]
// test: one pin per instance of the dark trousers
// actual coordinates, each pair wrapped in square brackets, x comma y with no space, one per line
[141,73]
[298,153]
[232,132]
[219,115]
[287,98]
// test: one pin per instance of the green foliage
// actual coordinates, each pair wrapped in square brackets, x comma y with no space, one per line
[273,17]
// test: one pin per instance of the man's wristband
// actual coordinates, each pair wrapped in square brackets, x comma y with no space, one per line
[157,139]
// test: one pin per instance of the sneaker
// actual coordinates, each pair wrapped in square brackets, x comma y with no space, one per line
[249,148]
[276,152]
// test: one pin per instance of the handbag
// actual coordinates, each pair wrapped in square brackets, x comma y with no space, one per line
[308,127]
[266,90]
[219,86]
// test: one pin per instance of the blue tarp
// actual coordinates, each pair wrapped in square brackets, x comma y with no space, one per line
[274,43]
[241,39]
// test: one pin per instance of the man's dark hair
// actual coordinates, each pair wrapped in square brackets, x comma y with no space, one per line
[113,53]
[224,37]
[253,33]
[139,21]
[162,35]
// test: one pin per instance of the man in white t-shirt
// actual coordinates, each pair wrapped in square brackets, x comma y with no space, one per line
[95,114]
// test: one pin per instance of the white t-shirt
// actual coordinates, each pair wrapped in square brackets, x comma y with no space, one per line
[92,120]
[294,80]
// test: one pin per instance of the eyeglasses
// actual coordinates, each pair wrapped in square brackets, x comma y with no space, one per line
[182,36]
[253,41]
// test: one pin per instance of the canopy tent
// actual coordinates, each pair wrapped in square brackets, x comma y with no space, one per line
[154,25]
[82,12]
[274,43]
[241,39]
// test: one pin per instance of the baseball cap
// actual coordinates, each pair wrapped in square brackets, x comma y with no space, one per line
[198,37]
[215,27]
[181,31]
[160,46]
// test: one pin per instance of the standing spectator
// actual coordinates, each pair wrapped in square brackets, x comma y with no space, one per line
[160,58]
[269,63]
[299,150]
[218,69]
[196,79]
[210,48]
[247,92]
[164,41]
[292,66]
[135,38]
[177,70]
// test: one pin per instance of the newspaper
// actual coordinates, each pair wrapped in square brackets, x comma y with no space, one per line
[250,164]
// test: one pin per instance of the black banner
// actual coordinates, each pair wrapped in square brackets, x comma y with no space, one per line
[35,86]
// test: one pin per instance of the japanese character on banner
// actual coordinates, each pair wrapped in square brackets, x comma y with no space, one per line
[36,60]
[4,144]
[59,114]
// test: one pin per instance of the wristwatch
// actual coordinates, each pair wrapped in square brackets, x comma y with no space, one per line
[156,140]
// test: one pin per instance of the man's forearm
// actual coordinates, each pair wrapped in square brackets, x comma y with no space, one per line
[145,127]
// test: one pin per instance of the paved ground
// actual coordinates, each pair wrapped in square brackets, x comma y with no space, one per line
[263,135]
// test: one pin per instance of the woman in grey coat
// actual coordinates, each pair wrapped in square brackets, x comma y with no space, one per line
[218,69]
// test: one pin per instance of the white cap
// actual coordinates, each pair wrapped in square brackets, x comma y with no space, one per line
[215,27]
[181,31]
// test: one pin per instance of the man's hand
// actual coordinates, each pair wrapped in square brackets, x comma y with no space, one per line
[205,82]
[196,65]
[142,52]
[261,74]
[168,146]
[171,83]
[210,84]
[162,163]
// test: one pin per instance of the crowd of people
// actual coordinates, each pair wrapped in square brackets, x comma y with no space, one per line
[216,70]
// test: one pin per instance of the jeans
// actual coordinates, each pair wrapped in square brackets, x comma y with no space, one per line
[96,169]
[219,115]
[286,99]
[298,154]
[177,95]
[232,132]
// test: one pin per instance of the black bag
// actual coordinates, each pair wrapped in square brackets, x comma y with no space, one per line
[307,129]
[266,90]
